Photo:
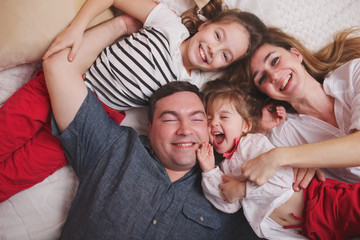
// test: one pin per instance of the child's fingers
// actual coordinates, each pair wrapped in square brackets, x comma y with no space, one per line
[210,149]
[226,178]
[52,50]
[73,52]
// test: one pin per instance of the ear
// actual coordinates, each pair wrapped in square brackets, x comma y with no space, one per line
[248,126]
[149,127]
[204,24]
[297,54]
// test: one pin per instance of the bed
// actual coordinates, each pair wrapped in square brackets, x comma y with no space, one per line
[27,28]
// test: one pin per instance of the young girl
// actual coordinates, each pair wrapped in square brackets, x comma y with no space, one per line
[273,210]
[164,50]
[123,76]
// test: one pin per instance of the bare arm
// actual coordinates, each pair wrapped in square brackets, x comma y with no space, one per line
[72,36]
[334,153]
[64,79]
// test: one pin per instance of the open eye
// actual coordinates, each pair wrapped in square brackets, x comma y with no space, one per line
[217,35]
[274,61]
[261,79]
[225,56]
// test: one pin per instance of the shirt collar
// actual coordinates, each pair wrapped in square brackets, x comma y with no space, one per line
[231,152]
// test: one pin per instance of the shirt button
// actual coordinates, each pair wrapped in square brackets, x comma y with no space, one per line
[154,221]
[202,218]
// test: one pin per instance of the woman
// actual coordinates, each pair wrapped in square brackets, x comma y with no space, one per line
[324,89]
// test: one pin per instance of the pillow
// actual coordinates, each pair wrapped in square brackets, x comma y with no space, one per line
[29,26]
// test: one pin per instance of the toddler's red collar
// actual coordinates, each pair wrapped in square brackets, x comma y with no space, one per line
[230,153]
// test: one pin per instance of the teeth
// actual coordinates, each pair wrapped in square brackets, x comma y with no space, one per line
[185,144]
[202,54]
[217,133]
[285,82]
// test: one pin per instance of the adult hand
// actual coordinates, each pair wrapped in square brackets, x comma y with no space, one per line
[303,176]
[232,188]
[263,167]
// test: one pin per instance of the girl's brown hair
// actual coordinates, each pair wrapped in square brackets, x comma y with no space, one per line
[240,96]
[216,11]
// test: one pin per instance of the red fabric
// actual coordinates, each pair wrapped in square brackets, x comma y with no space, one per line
[28,151]
[332,210]
[231,152]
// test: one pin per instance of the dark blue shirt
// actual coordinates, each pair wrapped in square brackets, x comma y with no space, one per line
[125,192]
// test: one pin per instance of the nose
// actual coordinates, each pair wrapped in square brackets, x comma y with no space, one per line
[213,122]
[274,75]
[184,128]
[213,49]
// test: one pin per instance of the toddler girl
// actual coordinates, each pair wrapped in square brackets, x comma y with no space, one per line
[273,210]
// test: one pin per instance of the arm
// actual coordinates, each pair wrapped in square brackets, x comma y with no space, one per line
[64,79]
[334,153]
[212,178]
[72,35]
[233,189]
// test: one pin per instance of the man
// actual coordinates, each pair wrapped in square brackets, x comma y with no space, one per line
[134,187]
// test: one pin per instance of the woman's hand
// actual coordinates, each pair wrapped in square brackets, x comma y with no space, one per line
[260,169]
[205,156]
[303,176]
[232,188]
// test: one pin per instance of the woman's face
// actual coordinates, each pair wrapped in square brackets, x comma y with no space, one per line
[278,72]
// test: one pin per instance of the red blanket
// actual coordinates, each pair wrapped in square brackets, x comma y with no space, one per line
[28,151]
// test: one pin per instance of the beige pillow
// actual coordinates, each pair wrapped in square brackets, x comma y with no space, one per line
[27,27]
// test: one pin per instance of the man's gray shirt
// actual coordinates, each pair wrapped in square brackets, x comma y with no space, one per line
[125,192]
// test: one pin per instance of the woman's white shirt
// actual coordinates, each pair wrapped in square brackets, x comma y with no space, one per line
[344,85]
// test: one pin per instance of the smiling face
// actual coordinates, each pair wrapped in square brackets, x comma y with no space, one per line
[179,127]
[225,125]
[278,72]
[215,46]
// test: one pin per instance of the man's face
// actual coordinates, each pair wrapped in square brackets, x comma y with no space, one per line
[179,127]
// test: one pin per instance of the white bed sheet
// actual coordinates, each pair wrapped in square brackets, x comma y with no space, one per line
[39,212]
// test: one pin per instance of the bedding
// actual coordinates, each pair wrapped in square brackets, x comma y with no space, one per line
[27,29]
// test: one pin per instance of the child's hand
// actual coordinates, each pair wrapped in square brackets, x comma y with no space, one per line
[232,188]
[131,23]
[205,155]
[272,116]
[70,37]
